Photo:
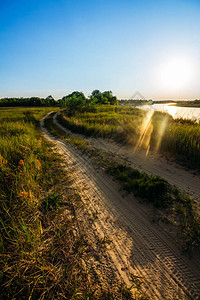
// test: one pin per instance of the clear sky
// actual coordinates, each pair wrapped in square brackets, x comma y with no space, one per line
[58,46]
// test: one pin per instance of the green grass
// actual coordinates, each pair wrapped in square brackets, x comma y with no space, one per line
[41,255]
[25,171]
[51,202]
[109,121]
[159,132]
[152,189]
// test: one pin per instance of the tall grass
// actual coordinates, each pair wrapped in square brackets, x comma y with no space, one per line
[182,138]
[156,131]
[120,123]
[42,240]
[24,161]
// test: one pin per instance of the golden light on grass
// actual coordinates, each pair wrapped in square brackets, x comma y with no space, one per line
[161,131]
[145,132]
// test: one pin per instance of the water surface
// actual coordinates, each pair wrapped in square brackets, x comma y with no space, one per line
[192,113]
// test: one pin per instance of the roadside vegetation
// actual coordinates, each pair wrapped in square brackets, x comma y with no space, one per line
[162,195]
[148,130]
[42,242]
[181,139]
[175,206]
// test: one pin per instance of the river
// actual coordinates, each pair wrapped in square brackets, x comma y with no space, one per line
[192,113]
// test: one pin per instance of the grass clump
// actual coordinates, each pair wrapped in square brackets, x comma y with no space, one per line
[151,188]
[51,202]
[189,221]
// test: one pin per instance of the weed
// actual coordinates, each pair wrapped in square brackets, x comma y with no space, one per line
[151,188]
[51,202]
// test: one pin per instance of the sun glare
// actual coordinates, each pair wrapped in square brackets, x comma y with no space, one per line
[171,109]
[145,132]
[176,73]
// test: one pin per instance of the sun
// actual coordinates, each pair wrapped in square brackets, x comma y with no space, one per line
[176,73]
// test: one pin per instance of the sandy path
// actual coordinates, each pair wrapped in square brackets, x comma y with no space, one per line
[138,248]
[153,164]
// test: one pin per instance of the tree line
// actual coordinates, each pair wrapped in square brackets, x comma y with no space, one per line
[75,100]
[136,102]
[32,101]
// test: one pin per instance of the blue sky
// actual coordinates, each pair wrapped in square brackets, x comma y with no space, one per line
[58,46]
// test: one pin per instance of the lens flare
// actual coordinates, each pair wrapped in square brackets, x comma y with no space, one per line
[161,131]
[145,133]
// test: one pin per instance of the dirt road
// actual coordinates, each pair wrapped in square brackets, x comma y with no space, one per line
[136,246]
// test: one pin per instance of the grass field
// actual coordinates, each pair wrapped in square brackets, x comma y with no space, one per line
[148,130]
[35,260]
[40,255]
[27,172]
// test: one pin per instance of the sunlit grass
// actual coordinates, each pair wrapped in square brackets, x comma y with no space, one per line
[181,138]
[147,130]
[24,159]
